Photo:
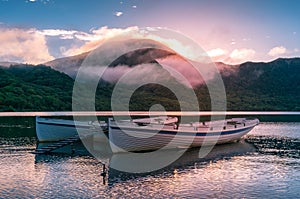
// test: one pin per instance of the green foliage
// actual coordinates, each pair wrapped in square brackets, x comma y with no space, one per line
[273,86]
[34,88]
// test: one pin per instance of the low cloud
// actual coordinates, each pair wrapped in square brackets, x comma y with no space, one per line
[23,45]
[188,72]
[93,35]
[81,42]
[94,38]
[58,32]
[241,55]
[277,51]
[217,54]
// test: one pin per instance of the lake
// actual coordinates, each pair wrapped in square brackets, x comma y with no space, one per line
[266,164]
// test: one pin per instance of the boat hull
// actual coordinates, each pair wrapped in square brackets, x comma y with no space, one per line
[127,139]
[49,130]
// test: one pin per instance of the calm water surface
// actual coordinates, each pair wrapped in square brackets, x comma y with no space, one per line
[265,165]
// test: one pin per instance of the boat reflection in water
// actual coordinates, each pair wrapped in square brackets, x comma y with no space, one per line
[96,144]
[189,159]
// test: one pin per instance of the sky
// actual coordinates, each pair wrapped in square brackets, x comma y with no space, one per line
[231,31]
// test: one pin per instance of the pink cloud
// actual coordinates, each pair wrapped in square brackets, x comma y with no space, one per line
[277,51]
[95,38]
[217,54]
[22,45]
[241,55]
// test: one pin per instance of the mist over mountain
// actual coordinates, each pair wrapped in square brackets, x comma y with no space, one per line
[149,54]
[141,56]
[8,64]
[154,61]
[262,86]
[68,65]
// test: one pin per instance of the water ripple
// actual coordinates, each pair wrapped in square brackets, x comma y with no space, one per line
[267,166]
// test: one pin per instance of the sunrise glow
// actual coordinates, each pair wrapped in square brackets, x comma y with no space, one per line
[243,31]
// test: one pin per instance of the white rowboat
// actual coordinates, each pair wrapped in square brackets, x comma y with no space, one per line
[49,129]
[138,135]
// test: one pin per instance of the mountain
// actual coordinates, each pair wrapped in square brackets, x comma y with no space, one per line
[68,65]
[270,86]
[257,86]
[265,86]
[7,64]
[141,56]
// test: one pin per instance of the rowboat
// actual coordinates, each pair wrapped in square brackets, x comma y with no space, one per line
[148,134]
[49,129]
